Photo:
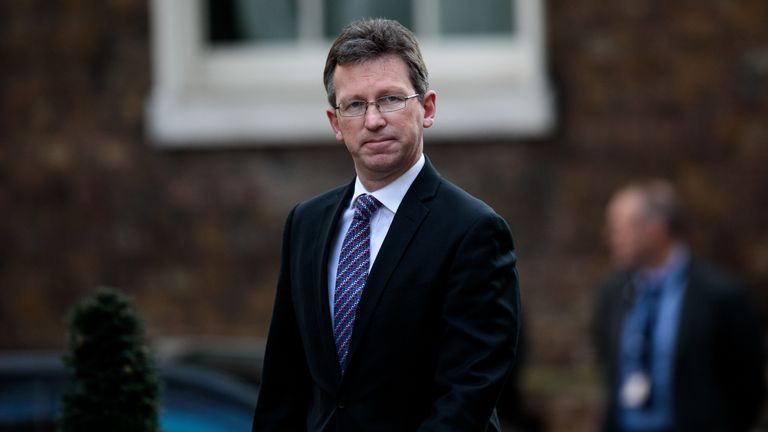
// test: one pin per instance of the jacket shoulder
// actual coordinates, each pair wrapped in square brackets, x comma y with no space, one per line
[615,281]
[705,277]
[321,201]
[460,203]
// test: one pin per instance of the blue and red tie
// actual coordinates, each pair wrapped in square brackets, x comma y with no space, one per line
[352,273]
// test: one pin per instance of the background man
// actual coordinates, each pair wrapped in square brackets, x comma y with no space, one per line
[679,342]
[397,303]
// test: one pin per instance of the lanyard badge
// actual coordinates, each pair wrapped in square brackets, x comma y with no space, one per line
[636,390]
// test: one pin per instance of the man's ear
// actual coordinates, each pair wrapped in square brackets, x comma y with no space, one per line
[429,108]
[334,120]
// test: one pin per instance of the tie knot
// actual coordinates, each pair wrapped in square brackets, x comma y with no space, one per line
[365,206]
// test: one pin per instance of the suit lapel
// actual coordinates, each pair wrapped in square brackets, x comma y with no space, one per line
[408,218]
[329,223]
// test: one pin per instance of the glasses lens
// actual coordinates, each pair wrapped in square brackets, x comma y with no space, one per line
[390,103]
[353,108]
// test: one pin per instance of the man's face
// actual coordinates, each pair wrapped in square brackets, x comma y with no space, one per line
[630,230]
[383,145]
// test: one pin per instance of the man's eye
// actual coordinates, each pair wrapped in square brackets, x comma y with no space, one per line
[355,105]
[390,100]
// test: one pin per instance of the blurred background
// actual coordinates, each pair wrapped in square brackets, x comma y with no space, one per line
[102,182]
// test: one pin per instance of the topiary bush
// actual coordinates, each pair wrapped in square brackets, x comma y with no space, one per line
[114,385]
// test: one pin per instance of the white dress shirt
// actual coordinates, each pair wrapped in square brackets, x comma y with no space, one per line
[390,196]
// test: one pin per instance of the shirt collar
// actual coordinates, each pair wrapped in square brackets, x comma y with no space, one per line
[392,194]
[677,259]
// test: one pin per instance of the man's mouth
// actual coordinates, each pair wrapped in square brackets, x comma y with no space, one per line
[377,140]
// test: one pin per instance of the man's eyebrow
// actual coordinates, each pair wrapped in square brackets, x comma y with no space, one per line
[390,91]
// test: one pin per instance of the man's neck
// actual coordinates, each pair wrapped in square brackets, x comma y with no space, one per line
[662,256]
[373,183]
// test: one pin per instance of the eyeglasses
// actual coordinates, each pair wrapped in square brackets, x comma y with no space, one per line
[357,108]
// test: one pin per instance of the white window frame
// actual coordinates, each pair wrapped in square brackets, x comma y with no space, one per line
[488,87]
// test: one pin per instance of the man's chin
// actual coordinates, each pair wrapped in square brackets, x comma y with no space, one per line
[381,163]
[374,147]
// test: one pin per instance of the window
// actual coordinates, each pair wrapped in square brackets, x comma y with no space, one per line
[249,72]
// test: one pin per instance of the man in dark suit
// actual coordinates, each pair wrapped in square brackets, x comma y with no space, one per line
[397,304]
[679,342]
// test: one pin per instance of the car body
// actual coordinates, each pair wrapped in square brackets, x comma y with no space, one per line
[194,398]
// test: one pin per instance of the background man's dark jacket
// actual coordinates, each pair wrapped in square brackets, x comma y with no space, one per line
[718,378]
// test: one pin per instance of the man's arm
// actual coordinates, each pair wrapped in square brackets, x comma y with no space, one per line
[480,323]
[283,395]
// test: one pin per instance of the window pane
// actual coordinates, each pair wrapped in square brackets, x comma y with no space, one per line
[459,17]
[339,13]
[237,21]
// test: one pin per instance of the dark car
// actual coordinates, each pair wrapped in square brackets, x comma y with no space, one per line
[195,399]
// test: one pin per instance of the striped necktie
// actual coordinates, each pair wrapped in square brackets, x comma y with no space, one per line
[352,273]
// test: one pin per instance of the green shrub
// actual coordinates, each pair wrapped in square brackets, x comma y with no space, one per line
[114,385]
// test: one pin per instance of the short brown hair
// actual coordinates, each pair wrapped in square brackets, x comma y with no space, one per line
[369,39]
[662,200]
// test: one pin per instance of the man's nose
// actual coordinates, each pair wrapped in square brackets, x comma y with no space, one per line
[373,117]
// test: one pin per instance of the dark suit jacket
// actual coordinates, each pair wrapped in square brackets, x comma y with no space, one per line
[718,380]
[436,326]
